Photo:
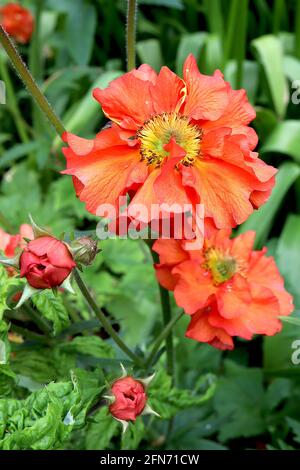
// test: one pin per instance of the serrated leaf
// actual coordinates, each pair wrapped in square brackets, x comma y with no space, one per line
[90,346]
[38,422]
[51,307]
[239,402]
[102,429]
[133,435]
[167,400]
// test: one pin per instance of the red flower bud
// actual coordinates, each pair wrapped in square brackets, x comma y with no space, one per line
[130,399]
[46,262]
[17,21]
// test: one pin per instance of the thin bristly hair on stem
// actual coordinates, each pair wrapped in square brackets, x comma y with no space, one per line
[28,80]
[131,33]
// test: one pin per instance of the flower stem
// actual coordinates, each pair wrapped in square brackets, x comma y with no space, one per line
[131,33]
[106,324]
[37,319]
[12,102]
[163,335]
[29,82]
[167,318]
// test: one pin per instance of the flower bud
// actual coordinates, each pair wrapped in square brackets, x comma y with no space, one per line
[85,250]
[128,398]
[46,263]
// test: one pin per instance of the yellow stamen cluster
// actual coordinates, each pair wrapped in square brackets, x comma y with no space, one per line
[158,132]
[221,265]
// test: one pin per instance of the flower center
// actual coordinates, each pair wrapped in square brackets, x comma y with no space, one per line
[221,265]
[158,131]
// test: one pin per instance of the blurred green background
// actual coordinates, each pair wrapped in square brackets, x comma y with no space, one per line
[79,45]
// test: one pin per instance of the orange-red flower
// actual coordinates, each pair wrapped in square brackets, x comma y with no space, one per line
[9,243]
[227,288]
[17,21]
[172,141]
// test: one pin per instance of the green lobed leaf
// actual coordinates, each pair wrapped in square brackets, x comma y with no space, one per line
[238,401]
[51,307]
[101,430]
[90,346]
[167,400]
[45,419]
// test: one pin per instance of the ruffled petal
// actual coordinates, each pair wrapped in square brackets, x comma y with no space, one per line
[170,251]
[234,297]
[201,330]
[207,96]
[194,286]
[264,272]
[223,189]
[103,174]
[237,114]
[168,93]
[127,101]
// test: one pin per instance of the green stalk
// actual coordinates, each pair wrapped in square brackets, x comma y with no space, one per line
[167,318]
[37,319]
[106,324]
[12,102]
[29,82]
[36,68]
[131,33]
[241,44]
[163,335]
[278,14]
[214,18]
[230,36]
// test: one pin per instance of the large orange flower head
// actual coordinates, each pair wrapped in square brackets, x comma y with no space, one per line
[227,288]
[17,21]
[172,142]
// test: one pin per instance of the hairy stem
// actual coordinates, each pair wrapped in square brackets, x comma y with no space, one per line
[12,102]
[106,324]
[131,33]
[163,335]
[29,82]
[167,317]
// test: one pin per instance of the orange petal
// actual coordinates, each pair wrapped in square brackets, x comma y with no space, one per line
[145,197]
[201,330]
[164,277]
[223,189]
[170,251]
[194,286]
[263,271]
[126,101]
[103,174]
[237,114]
[233,297]
[168,92]
[207,96]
